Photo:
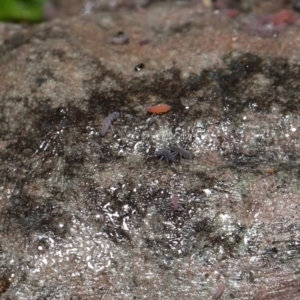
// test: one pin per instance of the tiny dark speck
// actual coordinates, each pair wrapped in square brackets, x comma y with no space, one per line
[274,249]
[139,67]
[39,81]
[144,42]
[296,5]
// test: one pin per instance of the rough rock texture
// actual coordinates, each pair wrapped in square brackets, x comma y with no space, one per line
[91,217]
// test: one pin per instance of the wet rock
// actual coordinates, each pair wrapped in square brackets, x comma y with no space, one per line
[86,216]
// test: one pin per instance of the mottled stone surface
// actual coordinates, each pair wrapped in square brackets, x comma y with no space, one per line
[91,217]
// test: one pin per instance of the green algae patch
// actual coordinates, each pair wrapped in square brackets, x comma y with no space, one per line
[21,10]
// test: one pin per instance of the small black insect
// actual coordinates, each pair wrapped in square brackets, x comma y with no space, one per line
[107,122]
[139,67]
[181,153]
[166,154]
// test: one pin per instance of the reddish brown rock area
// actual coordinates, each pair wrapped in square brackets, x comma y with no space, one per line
[86,216]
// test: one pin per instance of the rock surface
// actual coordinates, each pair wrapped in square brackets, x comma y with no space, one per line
[91,217]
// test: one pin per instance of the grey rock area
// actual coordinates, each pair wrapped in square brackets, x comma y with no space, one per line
[91,217]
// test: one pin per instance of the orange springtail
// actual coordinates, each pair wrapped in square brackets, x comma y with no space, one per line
[159,108]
